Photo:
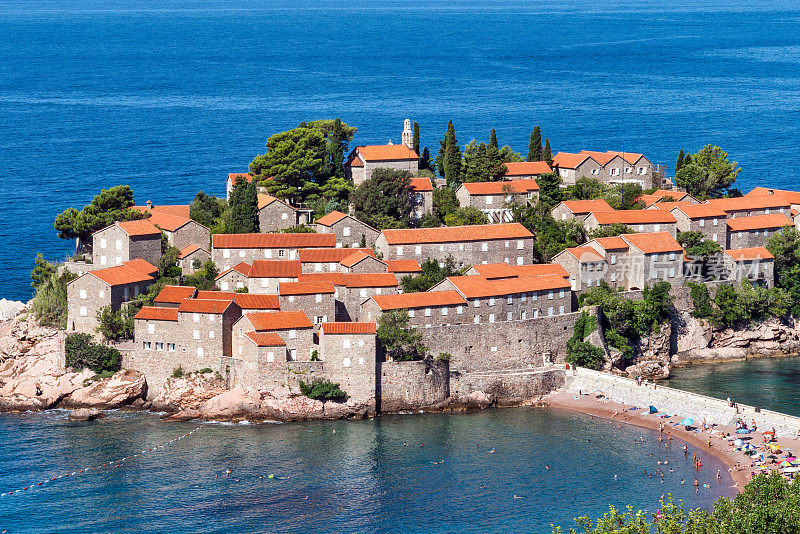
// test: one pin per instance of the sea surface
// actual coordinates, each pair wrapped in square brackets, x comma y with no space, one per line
[169,96]
[771,383]
[428,473]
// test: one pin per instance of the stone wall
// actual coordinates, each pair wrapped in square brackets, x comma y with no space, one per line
[413,385]
[510,388]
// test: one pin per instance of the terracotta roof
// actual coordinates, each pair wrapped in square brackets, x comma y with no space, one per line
[403,266]
[273,240]
[241,268]
[701,211]
[653,243]
[354,258]
[154,313]
[178,210]
[630,157]
[759,222]
[357,280]
[280,320]
[331,218]
[568,161]
[264,200]
[633,217]
[582,207]
[255,301]
[141,265]
[214,307]
[336,279]
[600,157]
[667,206]
[190,250]
[421,184]
[418,300]
[750,203]
[121,275]
[501,188]
[504,270]
[386,152]
[138,228]
[585,254]
[266,339]
[215,295]
[451,234]
[750,254]
[785,194]
[329,255]
[167,221]
[479,287]
[304,288]
[527,168]
[657,196]
[275,269]
[349,328]
[232,176]
[611,243]
[175,294]
[354,161]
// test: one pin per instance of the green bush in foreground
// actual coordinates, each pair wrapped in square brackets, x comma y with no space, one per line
[767,505]
[323,390]
[82,352]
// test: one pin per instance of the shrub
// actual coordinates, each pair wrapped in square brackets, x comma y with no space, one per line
[323,390]
[178,372]
[82,352]
[701,300]
[205,370]
[116,324]
[444,356]
[581,353]
[398,338]
[315,355]
[50,302]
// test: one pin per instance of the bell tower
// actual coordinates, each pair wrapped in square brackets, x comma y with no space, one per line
[408,135]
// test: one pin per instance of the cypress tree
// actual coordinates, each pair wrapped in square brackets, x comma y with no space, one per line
[493,139]
[425,159]
[250,209]
[452,157]
[687,160]
[535,146]
[679,163]
[415,139]
[233,219]
[493,158]
[338,144]
[547,155]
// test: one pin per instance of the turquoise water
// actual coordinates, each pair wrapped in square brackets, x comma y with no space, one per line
[171,95]
[772,383]
[335,476]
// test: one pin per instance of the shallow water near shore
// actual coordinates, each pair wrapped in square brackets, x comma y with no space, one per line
[336,476]
[771,383]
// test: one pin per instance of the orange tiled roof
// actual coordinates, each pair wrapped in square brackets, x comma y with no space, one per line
[254,301]
[264,200]
[527,168]
[275,269]
[178,210]
[349,328]
[633,217]
[164,220]
[329,255]
[139,227]
[750,254]
[354,258]
[280,320]
[759,222]
[479,287]
[600,157]
[611,243]
[660,194]
[304,288]
[750,203]
[403,266]
[702,211]
[667,206]
[273,240]
[630,157]
[421,184]
[582,207]
[266,339]
[501,188]
[785,194]
[504,270]
[386,152]
[418,300]
[331,218]
[215,295]
[452,234]
[154,313]
[190,250]
[232,176]
[653,243]
[215,307]
[568,161]
[143,266]
[241,268]
[354,161]
[337,279]
[357,280]
[175,294]
[585,254]
[122,275]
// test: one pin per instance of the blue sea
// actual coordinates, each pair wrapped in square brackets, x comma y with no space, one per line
[171,95]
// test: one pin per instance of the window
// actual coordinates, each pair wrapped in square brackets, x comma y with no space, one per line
[549,295]
[484,247]
[561,294]
[550,311]
[510,299]
[441,248]
[508,244]
[345,362]
[226,253]
[151,328]
[318,298]
[291,298]
[715,222]
[702,223]
[148,345]
[476,319]
[224,286]
[102,294]
[411,313]
[170,347]
[346,231]
[399,251]
[119,244]
[377,290]
[672,272]
[84,311]
[491,301]
[613,259]
[427,312]
[509,316]
[628,170]
[210,334]
[535,314]
[444,311]
[345,343]
[284,216]
[418,250]
[270,356]
[196,317]
[520,244]
[561,310]
[267,254]
[523,315]
[641,228]
[239,285]
[656,227]
[159,346]
[361,361]
[614,171]
[491,317]
[103,243]
[655,274]
[200,351]
[83,293]
[460,310]
[524,298]
[520,260]
[476,303]
[595,172]
[292,334]
[489,200]
[671,256]
[281,253]
[461,247]
[613,277]
[103,260]
[265,282]
[534,297]
[196,334]
[363,293]
[332,267]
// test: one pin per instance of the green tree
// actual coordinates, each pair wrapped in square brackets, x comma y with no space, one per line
[493,140]
[168,264]
[50,301]
[611,230]
[445,202]
[204,278]
[625,196]
[696,246]
[707,174]
[730,310]
[383,199]
[588,189]
[242,217]
[466,217]
[550,236]
[425,159]
[785,246]
[42,271]
[415,139]
[579,352]
[323,390]
[81,353]
[547,155]
[208,211]
[338,138]
[549,189]
[508,155]
[399,340]
[116,324]
[701,299]
[679,163]
[535,145]
[432,273]
[449,160]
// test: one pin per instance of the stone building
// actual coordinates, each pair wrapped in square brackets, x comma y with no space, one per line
[363,161]
[349,354]
[421,198]
[431,308]
[157,352]
[231,249]
[615,251]
[792,197]
[253,303]
[234,279]
[647,221]
[275,215]
[750,232]
[495,198]
[608,167]
[468,245]
[403,268]
[192,258]
[263,276]
[361,262]
[111,287]
[293,327]
[172,296]
[316,299]
[349,231]
[704,218]
[496,271]
[652,258]
[579,209]
[181,231]
[749,206]
[526,170]
[260,359]
[585,265]
[359,287]
[127,240]
[328,259]
[666,195]
[755,264]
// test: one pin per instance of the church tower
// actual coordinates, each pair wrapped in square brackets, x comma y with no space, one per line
[408,135]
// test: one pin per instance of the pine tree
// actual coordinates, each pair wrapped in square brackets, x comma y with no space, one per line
[338,144]
[441,155]
[493,140]
[452,157]
[535,146]
[415,139]
[493,168]
[679,163]
[547,155]
[425,159]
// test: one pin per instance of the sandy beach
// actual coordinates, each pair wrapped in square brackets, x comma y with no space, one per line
[711,441]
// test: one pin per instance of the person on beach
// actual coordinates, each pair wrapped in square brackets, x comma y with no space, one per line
[685,450]
[719,475]
[683,482]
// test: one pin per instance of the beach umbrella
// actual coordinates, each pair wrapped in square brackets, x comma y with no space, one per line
[687,421]
[791,458]
[774,446]
[772,456]
[785,464]
[749,447]
[738,443]
[653,409]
